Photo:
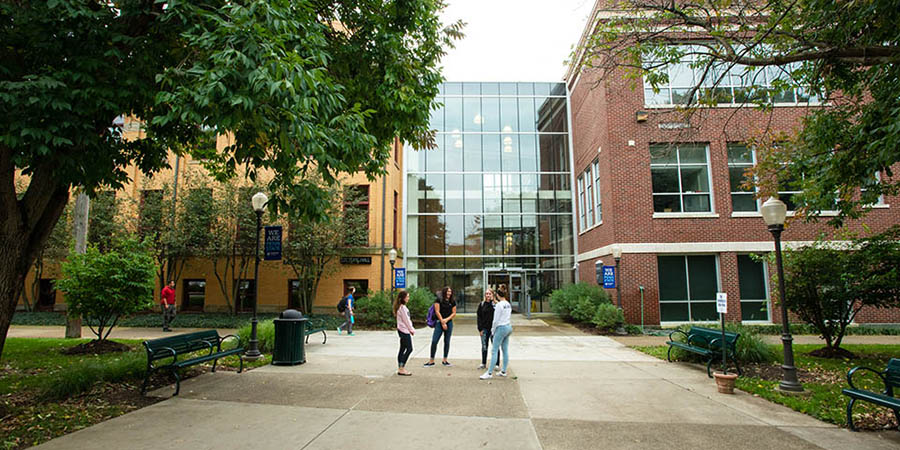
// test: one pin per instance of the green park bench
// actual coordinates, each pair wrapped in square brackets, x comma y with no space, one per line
[707,343]
[316,326]
[890,377]
[168,350]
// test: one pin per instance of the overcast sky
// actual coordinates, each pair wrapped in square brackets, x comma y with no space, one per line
[514,40]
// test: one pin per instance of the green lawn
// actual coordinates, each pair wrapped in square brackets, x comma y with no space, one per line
[45,394]
[823,378]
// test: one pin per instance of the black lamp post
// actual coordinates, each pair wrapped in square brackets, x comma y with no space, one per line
[774,212]
[617,256]
[392,257]
[259,201]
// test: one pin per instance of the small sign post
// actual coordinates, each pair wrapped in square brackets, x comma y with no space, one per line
[273,243]
[722,308]
[609,277]
[400,278]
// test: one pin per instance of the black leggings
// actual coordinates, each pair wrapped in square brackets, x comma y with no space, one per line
[405,348]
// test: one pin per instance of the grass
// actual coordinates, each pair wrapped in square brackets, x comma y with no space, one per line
[823,378]
[45,394]
[154,320]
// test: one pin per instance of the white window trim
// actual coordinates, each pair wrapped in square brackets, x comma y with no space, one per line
[688,215]
[598,204]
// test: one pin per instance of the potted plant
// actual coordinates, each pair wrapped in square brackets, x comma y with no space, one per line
[725,381]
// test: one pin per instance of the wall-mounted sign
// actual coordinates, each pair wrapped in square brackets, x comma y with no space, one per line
[273,243]
[356,260]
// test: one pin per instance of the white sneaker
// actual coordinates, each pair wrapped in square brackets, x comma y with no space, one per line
[502,374]
[486,376]
[482,366]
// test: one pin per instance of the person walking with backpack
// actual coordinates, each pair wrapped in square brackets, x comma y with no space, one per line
[347,303]
[501,328]
[405,330]
[445,310]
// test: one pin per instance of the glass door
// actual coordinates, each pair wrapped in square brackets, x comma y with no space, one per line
[516,285]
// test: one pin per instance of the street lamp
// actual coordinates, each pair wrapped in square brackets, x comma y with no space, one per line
[259,201]
[392,257]
[773,212]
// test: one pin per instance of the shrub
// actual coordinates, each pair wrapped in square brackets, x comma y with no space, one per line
[608,317]
[375,310]
[420,299]
[265,334]
[102,287]
[564,301]
[633,329]
[584,310]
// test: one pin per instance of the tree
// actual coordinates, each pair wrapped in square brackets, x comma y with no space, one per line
[313,246]
[827,286]
[301,86]
[104,286]
[846,53]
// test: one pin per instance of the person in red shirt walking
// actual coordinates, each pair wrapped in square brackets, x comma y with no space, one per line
[167,302]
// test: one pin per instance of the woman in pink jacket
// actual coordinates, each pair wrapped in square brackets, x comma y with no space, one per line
[405,330]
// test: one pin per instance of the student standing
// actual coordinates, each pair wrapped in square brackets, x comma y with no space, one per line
[445,310]
[348,313]
[501,328]
[167,302]
[485,315]
[405,330]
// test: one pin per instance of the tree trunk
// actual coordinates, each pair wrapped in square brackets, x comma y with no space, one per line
[82,223]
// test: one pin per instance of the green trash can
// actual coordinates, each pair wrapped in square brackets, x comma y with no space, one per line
[290,331]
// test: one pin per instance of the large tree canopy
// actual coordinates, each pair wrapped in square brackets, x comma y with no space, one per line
[301,85]
[846,53]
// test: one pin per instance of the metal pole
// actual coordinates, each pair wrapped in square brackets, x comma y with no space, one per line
[618,284]
[253,353]
[392,280]
[789,380]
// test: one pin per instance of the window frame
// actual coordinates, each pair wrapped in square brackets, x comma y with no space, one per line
[687,278]
[598,209]
[766,289]
[678,165]
[745,166]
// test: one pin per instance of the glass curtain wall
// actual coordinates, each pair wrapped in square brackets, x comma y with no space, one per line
[494,198]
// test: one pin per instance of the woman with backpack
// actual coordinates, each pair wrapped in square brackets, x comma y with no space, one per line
[445,311]
[501,328]
[347,303]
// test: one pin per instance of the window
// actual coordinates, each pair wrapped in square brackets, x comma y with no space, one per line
[396,217]
[680,176]
[740,85]
[595,168]
[356,211]
[194,295]
[754,294]
[151,214]
[687,288]
[294,295]
[740,159]
[246,295]
[46,295]
[581,216]
[588,197]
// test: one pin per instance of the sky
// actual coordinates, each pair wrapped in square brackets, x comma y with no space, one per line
[514,40]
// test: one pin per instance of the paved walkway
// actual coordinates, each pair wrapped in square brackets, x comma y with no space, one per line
[566,390]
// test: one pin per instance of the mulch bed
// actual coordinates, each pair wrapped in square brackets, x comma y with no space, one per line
[96,348]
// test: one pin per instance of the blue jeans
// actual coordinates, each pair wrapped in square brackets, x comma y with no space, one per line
[486,340]
[438,331]
[501,339]
[406,348]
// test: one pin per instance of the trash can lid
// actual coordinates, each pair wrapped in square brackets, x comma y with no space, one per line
[291,314]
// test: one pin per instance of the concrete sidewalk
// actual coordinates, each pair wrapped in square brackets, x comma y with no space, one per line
[566,390]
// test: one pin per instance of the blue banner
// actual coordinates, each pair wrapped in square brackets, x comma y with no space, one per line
[400,278]
[609,277]
[273,243]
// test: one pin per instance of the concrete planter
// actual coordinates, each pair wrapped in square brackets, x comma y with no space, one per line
[725,382]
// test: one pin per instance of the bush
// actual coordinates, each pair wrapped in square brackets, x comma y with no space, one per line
[565,301]
[633,329]
[102,287]
[420,299]
[265,334]
[607,317]
[375,310]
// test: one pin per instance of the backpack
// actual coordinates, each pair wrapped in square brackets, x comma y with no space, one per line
[342,305]
[430,319]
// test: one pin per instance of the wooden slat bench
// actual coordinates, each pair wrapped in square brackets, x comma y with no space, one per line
[890,377]
[170,351]
[707,343]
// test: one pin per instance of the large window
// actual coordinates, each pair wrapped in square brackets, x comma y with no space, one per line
[680,175]
[595,168]
[582,216]
[754,294]
[246,295]
[740,159]
[687,288]
[194,295]
[356,210]
[736,85]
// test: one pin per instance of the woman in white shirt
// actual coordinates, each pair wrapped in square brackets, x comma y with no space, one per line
[501,328]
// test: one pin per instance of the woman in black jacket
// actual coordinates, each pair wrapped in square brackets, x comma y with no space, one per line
[485,316]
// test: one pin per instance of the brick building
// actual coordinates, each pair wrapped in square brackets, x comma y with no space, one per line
[664,191]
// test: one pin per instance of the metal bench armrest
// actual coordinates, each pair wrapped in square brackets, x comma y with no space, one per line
[174,355]
[858,368]
[677,331]
[692,337]
[228,336]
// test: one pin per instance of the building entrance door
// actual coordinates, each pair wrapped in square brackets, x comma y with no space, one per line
[516,282]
